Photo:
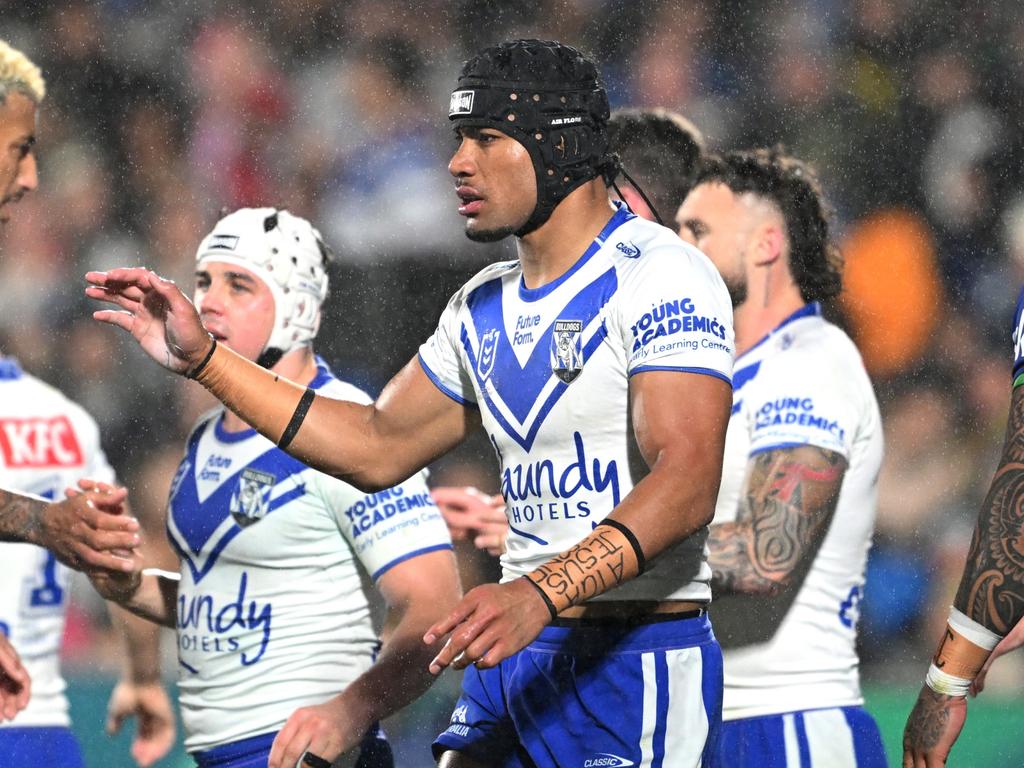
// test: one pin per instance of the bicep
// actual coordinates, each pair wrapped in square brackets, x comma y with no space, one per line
[682,414]
[428,583]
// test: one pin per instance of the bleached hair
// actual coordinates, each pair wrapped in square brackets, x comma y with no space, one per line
[18,73]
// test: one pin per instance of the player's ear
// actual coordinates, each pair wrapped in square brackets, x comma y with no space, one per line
[769,243]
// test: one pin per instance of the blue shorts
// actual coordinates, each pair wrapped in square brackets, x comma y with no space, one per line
[595,694]
[841,737]
[375,752]
[20,747]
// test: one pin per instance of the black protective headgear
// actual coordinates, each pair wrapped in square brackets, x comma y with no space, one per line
[549,98]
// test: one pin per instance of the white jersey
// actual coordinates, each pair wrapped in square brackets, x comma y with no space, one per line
[804,384]
[276,599]
[549,369]
[47,443]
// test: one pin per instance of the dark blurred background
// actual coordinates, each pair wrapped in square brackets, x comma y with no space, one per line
[159,114]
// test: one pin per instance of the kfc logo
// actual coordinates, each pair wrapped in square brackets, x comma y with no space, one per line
[39,442]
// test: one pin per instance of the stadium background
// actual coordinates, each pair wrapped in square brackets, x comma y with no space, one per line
[160,113]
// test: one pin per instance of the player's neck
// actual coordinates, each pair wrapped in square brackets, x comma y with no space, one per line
[549,251]
[299,366]
[761,314]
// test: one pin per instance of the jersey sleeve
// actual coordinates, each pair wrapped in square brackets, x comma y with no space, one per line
[1018,342]
[676,315]
[388,527]
[441,358]
[801,401]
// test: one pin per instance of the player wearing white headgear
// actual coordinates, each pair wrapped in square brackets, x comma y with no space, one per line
[275,607]
[47,443]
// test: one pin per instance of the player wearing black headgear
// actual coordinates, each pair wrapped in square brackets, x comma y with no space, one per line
[549,98]
[607,341]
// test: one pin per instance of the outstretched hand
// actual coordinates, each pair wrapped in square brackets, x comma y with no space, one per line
[150,705]
[154,311]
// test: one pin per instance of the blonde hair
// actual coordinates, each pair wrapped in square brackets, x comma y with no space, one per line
[18,73]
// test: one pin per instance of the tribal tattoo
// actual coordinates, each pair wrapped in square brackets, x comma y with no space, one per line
[992,588]
[20,518]
[790,497]
[601,561]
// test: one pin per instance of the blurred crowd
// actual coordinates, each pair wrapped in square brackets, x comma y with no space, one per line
[160,114]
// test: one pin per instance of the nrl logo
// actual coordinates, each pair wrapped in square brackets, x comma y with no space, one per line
[488,351]
[567,349]
[461,103]
[249,501]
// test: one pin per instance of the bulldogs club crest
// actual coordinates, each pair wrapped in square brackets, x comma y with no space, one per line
[488,349]
[250,499]
[567,349]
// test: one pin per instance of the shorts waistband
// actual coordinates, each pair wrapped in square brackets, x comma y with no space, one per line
[638,634]
[210,758]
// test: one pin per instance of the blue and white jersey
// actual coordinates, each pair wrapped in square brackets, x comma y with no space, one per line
[549,368]
[47,443]
[276,604]
[804,384]
[1018,342]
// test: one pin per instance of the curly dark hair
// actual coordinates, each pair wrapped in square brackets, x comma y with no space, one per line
[792,185]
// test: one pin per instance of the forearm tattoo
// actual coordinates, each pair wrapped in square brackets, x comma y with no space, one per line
[928,720]
[789,500]
[20,517]
[992,588]
[601,561]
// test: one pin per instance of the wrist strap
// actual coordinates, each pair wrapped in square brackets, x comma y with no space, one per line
[641,561]
[193,373]
[544,596]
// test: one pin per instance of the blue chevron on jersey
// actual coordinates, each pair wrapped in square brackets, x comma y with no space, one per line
[201,522]
[521,396]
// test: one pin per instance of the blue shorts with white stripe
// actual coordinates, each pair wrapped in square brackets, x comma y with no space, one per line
[374,752]
[840,737]
[20,746]
[596,695]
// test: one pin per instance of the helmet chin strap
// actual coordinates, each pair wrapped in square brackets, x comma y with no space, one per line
[270,357]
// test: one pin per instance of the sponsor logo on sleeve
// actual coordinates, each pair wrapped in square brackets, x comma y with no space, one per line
[39,443]
[796,412]
[567,349]
[674,326]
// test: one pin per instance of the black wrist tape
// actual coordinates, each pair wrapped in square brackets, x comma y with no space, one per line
[544,596]
[641,561]
[297,418]
[194,373]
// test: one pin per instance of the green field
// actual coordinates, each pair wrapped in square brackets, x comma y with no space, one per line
[993,738]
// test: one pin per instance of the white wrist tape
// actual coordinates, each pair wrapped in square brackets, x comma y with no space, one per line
[949,685]
[161,574]
[981,636]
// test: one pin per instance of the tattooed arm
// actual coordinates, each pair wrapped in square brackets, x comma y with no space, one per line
[80,531]
[789,499]
[991,592]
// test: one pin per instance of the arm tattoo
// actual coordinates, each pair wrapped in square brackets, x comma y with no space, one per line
[790,496]
[992,588]
[592,567]
[927,721]
[20,517]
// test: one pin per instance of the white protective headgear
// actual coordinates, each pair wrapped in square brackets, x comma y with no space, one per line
[288,254]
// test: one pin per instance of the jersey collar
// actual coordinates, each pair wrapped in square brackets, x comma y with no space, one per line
[813,309]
